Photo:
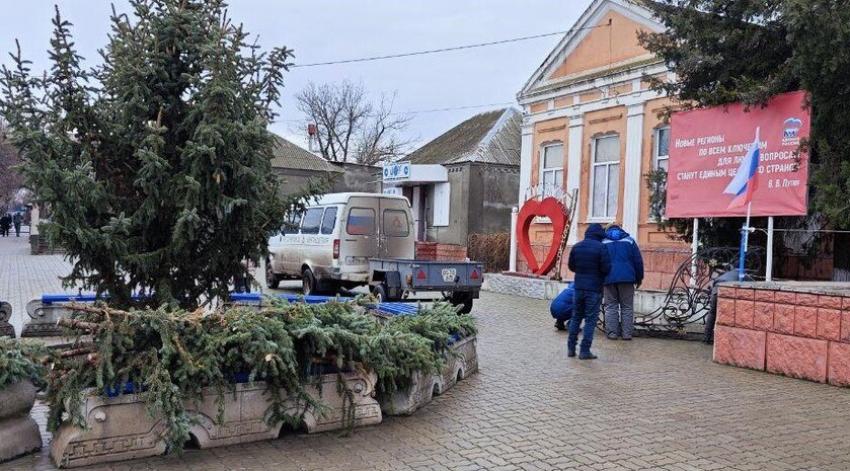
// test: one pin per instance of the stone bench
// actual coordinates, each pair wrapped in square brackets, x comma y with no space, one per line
[6,328]
[19,433]
[119,428]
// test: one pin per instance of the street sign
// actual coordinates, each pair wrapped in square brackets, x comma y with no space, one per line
[397,171]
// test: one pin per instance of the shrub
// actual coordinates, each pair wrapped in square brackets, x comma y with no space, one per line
[493,250]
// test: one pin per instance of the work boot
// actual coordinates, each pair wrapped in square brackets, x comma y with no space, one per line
[559,324]
[571,353]
[612,336]
[587,356]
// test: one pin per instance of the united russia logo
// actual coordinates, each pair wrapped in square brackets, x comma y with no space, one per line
[791,132]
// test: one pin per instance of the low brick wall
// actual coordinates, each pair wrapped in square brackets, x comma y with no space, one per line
[435,251]
[801,330]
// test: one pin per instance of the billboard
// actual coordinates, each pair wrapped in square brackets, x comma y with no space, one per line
[708,147]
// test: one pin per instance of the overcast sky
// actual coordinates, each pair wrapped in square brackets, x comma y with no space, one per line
[328,30]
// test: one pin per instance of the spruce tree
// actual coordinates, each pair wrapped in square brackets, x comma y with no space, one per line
[154,164]
[725,51]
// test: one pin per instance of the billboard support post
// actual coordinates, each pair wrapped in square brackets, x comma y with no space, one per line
[694,249]
[745,240]
[768,275]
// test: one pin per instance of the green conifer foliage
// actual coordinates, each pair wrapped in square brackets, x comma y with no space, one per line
[171,356]
[20,361]
[725,51]
[155,164]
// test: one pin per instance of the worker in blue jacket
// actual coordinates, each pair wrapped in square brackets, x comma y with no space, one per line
[562,307]
[590,261]
[626,276]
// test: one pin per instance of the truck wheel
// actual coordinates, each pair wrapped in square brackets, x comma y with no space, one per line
[464,301]
[272,281]
[308,283]
[380,293]
[329,288]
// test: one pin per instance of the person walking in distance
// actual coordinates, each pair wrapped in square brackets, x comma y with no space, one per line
[590,262]
[17,220]
[5,222]
[626,276]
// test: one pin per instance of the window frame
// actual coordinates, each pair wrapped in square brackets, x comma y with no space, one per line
[555,170]
[318,227]
[374,218]
[329,210]
[656,146]
[292,224]
[593,165]
[656,158]
[387,233]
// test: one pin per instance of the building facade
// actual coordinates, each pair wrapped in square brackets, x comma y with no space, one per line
[464,181]
[592,124]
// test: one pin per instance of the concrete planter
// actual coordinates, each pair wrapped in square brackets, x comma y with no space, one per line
[120,430]
[461,362]
[43,319]
[6,328]
[19,433]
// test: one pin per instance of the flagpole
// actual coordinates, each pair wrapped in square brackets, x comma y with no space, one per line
[745,240]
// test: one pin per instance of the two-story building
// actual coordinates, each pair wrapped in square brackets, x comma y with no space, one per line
[592,123]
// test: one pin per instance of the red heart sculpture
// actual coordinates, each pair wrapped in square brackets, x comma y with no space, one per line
[556,212]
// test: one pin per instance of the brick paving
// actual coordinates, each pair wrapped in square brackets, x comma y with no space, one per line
[24,277]
[645,405]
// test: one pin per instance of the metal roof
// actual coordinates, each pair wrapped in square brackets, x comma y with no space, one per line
[342,198]
[493,137]
[289,155]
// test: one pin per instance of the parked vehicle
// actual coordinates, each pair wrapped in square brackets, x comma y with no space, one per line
[347,240]
[329,246]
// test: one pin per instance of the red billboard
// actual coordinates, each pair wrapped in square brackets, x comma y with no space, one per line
[708,147]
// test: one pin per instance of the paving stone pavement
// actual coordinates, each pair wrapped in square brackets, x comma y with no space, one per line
[24,277]
[648,404]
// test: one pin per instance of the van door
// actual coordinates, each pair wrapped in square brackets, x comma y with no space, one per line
[358,234]
[310,246]
[398,237]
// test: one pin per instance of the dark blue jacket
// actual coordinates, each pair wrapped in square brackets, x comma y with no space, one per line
[626,260]
[590,261]
[562,306]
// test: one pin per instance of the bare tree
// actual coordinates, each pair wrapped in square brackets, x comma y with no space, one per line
[11,180]
[349,127]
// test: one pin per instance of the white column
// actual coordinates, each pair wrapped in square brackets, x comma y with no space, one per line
[632,177]
[768,276]
[514,220]
[527,157]
[694,250]
[417,210]
[576,143]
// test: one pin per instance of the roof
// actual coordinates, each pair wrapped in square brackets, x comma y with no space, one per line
[289,155]
[342,198]
[633,9]
[493,137]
